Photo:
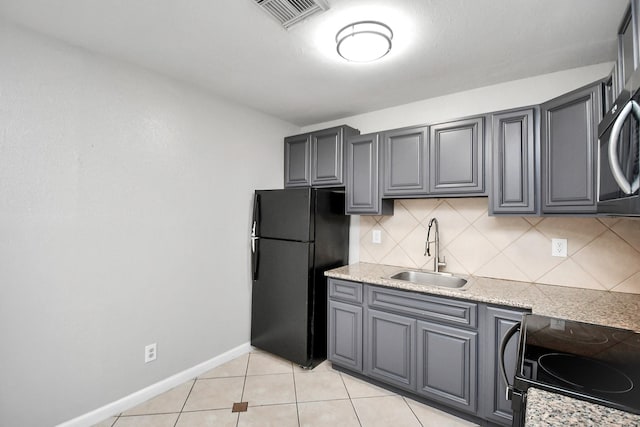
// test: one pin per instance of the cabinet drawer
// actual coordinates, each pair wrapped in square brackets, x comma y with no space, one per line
[443,310]
[345,291]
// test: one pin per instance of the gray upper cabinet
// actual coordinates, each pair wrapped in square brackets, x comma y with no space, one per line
[316,159]
[297,161]
[457,157]
[498,321]
[404,162]
[568,150]
[448,365]
[628,55]
[515,151]
[362,179]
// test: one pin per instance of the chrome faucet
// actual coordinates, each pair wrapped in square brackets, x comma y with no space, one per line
[427,247]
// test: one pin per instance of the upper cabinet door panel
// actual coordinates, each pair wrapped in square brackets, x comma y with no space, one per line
[514,154]
[362,189]
[327,154]
[297,161]
[569,138]
[404,160]
[327,151]
[456,157]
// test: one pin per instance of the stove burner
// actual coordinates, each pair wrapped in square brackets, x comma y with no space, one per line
[628,338]
[580,335]
[584,373]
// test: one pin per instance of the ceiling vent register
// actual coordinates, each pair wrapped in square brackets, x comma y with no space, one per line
[290,12]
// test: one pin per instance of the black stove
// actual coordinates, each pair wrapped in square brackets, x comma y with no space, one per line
[594,363]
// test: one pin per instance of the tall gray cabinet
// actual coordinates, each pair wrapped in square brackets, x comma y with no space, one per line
[515,151]
[569,137]
[362,179]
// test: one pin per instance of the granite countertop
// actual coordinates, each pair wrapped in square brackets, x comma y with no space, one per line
[545,409]
[615,309]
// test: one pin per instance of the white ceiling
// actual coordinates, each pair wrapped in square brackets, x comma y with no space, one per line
[234,49]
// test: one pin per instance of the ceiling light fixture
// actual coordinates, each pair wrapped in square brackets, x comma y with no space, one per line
[364,41]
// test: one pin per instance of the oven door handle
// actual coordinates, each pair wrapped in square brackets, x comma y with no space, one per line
[503,370]
[631,107]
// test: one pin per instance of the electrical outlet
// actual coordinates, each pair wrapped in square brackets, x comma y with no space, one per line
[150,353]
[559,247]
[376,237]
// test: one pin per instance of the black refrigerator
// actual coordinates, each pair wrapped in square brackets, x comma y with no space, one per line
[297,234]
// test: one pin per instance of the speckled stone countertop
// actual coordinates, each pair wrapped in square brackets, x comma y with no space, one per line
[615,309]
[545,409]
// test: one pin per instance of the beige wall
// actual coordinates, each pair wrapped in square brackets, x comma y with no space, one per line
[603,253]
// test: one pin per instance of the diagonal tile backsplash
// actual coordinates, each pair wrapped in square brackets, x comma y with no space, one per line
[603,253]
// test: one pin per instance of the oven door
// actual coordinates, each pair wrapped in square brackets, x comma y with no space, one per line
[618,174]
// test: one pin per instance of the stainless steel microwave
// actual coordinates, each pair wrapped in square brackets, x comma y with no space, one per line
[619,156]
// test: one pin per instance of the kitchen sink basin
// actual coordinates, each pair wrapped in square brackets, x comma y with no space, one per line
[444,280]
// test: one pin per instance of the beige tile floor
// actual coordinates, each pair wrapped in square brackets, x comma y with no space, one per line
[279,394]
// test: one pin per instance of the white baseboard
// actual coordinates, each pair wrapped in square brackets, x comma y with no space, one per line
[127,402]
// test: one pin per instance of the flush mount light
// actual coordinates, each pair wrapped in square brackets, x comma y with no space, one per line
[364,41]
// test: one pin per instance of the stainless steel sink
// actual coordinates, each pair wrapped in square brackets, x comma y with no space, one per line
[444,280]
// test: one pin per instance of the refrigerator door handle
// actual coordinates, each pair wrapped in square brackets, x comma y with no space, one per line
[255,259]
[255,256]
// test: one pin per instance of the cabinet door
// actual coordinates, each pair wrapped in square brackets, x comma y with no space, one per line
[390,348]
[362,188]
[514,163]
[297,161]
[404,162]
[498,321]
[447,365]
[327,157]
[345,335]
[569,138]
[456,157]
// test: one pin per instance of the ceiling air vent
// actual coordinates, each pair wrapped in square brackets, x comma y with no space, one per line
[290,12]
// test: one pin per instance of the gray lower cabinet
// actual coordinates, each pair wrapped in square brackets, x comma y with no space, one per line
[390,348]
[441,349]
[569,138]
[345,335]
[345,324]
[362,179]
[317,158]
[498,320]
[457,157]
[404,159]
[448,365]
[515,160]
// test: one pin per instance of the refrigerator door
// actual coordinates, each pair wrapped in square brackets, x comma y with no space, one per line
[285,214]
[282,304]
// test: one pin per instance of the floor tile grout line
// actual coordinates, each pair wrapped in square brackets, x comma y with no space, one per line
[185,401]
[244,383]
[350,399]
[412,411]
[295,394]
